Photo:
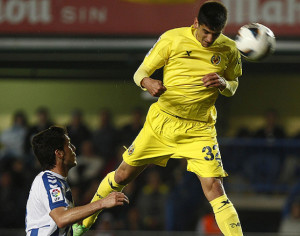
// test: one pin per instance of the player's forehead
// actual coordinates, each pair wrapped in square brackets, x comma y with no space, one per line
[206,28]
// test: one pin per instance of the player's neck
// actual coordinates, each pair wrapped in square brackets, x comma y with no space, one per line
[61,171]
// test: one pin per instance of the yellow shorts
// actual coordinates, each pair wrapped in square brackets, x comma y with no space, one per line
[165,136]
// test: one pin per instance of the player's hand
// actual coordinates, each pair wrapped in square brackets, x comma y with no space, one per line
[153,86]
[214,80]
[114,199]
[78,229]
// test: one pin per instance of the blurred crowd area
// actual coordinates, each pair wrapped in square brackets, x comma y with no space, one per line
[170,198]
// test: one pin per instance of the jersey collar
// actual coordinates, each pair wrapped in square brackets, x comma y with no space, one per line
[57,175]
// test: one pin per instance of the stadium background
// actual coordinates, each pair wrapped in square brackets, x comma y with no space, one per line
[67,55]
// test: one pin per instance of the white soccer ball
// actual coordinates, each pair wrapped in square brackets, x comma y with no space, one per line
[255,41]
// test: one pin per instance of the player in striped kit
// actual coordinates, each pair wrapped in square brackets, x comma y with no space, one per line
[50,208]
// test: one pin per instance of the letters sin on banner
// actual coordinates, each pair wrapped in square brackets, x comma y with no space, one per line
[138,17]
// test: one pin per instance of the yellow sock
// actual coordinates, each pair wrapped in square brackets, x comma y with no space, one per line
[226,216]
[107,185]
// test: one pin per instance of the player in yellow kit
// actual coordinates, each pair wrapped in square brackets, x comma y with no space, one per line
[199,63]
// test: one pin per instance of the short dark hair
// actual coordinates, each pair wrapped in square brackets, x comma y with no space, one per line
[213,15]
[45,143]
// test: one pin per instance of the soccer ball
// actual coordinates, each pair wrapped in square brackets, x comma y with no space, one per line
[255,41]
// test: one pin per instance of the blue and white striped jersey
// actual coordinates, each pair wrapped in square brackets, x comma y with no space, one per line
[49,190]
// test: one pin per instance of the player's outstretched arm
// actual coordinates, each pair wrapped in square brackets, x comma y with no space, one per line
[66,216]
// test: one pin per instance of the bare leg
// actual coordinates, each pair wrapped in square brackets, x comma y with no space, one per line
[212,187]
[225,213]
[125,173]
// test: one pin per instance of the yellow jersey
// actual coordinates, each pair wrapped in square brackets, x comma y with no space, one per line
[185,62]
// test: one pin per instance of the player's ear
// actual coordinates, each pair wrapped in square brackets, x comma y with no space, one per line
[196,23]
[59,153]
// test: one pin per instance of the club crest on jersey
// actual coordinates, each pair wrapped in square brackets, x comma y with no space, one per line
[215,60]
[131,149]
[56,194]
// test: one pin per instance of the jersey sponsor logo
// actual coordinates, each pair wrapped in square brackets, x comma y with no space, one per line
[188,53]
[215,59]
[56,194]
[233,225]
[131,149]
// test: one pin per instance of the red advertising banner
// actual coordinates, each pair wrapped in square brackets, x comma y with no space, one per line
[138,17]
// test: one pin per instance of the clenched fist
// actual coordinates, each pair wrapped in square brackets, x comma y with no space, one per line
[153,86]
[214,80]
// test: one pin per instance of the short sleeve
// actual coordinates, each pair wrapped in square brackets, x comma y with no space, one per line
[54,190]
